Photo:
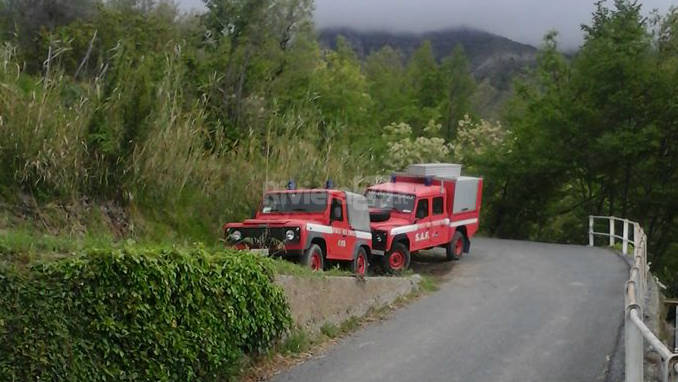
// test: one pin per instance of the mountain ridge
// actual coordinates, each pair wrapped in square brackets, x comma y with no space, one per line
[492,57]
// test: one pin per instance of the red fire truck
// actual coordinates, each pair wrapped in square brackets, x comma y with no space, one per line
[314,226]
[428,206]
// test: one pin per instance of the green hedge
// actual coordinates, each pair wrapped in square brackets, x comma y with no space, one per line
[154,315]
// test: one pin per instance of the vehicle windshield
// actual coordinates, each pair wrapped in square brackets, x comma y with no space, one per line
[390,201]
[291,202]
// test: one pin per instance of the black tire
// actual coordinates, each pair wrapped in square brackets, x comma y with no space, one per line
[313,258]
[397,259]
[376,265]
[358,266]
[455,248]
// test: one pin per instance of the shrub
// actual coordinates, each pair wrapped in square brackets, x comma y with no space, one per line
[406,149]
[137,314]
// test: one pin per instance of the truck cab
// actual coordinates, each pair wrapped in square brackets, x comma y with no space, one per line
[428,206]
[314,226]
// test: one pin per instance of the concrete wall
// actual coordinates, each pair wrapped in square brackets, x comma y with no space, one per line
[315,301]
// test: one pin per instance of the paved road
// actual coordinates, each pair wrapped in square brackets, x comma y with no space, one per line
[511,311]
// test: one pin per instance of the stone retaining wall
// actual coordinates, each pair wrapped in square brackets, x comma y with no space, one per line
[315,301]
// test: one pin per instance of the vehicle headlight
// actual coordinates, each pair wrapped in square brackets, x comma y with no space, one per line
[236,235]
[290,235]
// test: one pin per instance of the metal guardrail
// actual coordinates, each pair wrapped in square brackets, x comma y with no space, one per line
[674,304]
[635,330]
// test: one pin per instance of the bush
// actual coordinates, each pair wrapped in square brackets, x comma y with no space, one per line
[157,315]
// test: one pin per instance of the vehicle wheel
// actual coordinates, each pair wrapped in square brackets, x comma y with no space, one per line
[397,259]
[313,258]
[360,263]
[455,248]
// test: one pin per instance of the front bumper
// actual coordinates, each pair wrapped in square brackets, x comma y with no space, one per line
[274,239]
[284,252]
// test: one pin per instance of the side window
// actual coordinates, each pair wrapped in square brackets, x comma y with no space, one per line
[438,206]
[337,211]
[422,209]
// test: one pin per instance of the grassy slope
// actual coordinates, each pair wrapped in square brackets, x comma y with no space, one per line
[48,234]
[24,247]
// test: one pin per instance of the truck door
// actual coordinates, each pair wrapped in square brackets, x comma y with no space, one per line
[440,227]
[422,236]
[340,242]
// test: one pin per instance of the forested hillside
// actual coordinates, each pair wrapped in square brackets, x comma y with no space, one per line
[495,62]
[491,57]
[177,123]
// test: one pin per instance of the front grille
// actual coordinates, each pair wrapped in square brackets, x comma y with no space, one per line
[264,233]
[266,237]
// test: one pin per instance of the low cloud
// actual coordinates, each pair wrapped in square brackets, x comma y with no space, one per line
[521,20]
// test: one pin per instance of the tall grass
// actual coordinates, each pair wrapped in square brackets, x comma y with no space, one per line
[43,127]
[135,137]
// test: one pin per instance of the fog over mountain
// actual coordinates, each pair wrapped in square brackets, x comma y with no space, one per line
[520,20]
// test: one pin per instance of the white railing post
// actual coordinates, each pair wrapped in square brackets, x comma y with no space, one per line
[634,352]
[633,348]
[625,243]
[646,270]
[636,332]
[591,231]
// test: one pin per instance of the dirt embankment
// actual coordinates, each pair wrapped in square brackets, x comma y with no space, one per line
[59,218]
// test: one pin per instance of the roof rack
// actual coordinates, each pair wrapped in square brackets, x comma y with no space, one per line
[437,170]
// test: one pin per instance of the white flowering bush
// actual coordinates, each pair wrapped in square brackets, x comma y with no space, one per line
[476,138]
[404,149]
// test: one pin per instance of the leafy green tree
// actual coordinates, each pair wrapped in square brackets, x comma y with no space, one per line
[460,86]
[23,21]
[526,173]
[89,44]
[388,85]
[255,35]
[426,86]
[596,135]
[342,93]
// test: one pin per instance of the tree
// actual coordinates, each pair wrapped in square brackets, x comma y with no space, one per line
[426,86]
[596,135]
[459,86]
[526,173]
[251,31]
[388,85]
[23,21]
[342,93]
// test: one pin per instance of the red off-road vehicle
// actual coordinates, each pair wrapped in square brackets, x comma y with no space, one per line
[312,225]
[428,206]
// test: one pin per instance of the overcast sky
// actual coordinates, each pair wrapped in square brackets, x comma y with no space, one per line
[520,20]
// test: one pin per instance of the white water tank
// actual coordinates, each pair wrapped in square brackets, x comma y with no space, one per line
[441,170]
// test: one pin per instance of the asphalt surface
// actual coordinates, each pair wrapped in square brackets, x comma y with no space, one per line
[510,311]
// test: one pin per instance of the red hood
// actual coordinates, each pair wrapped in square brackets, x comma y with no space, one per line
[390,223]
[273,222]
